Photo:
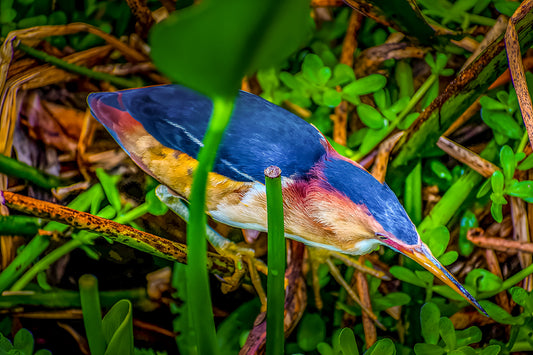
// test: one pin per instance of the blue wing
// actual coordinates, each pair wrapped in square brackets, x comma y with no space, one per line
[259,134]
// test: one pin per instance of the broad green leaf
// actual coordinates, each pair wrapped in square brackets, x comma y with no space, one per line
[489,103]
[117,327]
[437,240]
[404,274]
[236,323]
[342,74]
[366,85]
[428,349]
[447,332]
[390,300]
[522,189]
[502,123]
[527,163]
[5,344]
[347,342]
[23,341]
[468,336]
[469,220]
[507,161]
[185,45]
[483,280]
[426,276]
[429,323]
[331,98]
[382,347]
[499,314]
[497,181]
[440,170]
[311,65]
[311,332]
[496,211]
[491,350]
[382,98]
[324,349]
[464,350]
[370,116]
[448,258]
[523,298]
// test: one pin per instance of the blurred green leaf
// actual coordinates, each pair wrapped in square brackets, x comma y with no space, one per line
[370,116]
[428,349]
[508,163]
[312,330]
[448,258]
[468,220]
[346,342]
[440,170]
[447,332]
[437,240]
[202,32]
[382,347]
[404,274]
[489,103]
[502,123]
[429,323]
[499,314]
[497,181]
[468,336]
[23,341]
[365,85]
[522,189]
[490,350]
[117,326]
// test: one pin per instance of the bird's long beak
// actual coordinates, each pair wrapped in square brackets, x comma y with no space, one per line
[422,255]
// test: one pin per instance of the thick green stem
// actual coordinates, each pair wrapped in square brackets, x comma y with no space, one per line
[413,194]
[276,263]
[92,314]
[15,168]
[197,281]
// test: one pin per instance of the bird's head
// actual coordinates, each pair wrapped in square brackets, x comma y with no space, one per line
[377,217]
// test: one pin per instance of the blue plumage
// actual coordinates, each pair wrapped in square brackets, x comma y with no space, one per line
[259,134]
[363,189]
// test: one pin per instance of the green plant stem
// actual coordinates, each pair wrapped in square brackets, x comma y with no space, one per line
[197,281]
[510,282]
[419,94]
[275,338]
[523,142]
[45,262]
[124,83]
[413,194]
[15,168]
[92,317]
[30,252]
[452,200]
[20,225]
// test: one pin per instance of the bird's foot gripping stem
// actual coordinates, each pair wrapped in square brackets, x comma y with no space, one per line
[223,246]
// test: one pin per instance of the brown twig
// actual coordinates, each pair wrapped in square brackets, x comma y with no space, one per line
[516,67]
[477,236]
[466,156]
[368,326]
[494,267]
[379,170]
[147,242]
[465,116]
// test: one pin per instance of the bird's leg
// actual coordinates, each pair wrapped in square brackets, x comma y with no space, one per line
[222,245]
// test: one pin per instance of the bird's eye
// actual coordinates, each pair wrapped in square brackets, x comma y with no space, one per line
[381,236]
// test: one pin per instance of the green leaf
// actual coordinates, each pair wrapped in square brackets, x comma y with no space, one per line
[185,44]
[464,350]
[428,349]
[468,336]
[347,343]
[406,275]
[491,350]
[527,163]
[499,314]
[483,280]
[312,330]
[497,181]
[429,323]
[237,322]
[382,347]
[502,123]
[342,74]
[392,299]
[331,98]
[311,65]
[5,344]
[522,189]
[440,170]
[484,189]
[370,116]
[155,206]
[448,258]
[109,184]
[469,220]
[324,349]
[447,332]
[366,85]
[117,327]
[23,341]
[496,211]
[489,103]
[437,240]
[507,161]
[523,298]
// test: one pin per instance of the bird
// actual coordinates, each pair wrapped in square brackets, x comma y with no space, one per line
[329,201]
